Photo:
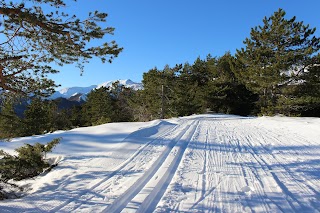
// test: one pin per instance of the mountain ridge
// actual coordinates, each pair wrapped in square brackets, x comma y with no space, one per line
[81,92]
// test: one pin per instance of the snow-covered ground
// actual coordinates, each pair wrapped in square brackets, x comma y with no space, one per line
[203,163]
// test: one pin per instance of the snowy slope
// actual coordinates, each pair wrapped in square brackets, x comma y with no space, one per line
[204,163]
[72,91]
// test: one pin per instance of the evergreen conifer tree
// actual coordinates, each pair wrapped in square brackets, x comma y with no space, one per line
[186,89]
[98,108]
[276,57]
[200,75]
[159,94]
[226,93]
[120,96]
[76,117]
[36,118]
[29,162]
[139,106]
[10,124]
[152,94]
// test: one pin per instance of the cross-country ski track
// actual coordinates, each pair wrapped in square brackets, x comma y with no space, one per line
[201,163]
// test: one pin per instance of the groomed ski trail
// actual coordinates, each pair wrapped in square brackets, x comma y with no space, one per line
[236,165]
[177,146]
[201,163]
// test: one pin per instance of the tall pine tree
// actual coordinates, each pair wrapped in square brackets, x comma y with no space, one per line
[276,57]
[158,92]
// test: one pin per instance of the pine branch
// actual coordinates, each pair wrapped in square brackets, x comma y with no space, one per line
[33,19]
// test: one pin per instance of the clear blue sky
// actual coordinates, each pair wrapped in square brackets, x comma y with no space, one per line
[154,33]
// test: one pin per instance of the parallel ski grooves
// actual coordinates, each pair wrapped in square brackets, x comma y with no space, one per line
[118,169]
[122,201]
[150,203]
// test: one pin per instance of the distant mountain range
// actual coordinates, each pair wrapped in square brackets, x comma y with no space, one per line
[80,93]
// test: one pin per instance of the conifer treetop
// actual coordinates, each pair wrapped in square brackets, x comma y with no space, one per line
[276,55]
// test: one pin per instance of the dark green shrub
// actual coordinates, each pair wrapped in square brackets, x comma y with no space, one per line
[29,162]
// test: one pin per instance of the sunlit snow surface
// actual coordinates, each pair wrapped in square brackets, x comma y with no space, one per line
[202,163]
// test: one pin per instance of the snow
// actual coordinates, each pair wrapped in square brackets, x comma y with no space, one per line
[127,83]
[200,163]
[71,91]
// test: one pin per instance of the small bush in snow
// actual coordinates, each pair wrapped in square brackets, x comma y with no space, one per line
[29,162]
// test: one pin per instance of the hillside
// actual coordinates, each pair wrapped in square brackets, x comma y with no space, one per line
[203,163]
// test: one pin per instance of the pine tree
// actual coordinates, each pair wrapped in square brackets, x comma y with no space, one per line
[29,162]
[159,94]
[152,92]
[139,106]
[186,89]
[98,108]
[120,96]
[36,118]
[275,57]
[39,33]
[226,93]
[76,117]
[10,123]
[200,75]
[58,119]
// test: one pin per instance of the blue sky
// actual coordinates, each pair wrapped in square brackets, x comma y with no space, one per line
[154,33]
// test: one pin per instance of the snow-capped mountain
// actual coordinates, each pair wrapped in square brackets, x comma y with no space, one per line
[81,92]
[72,91]
[127,83]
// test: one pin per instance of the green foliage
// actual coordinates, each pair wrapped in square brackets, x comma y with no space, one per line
[104,105]
[101,120]
[35,38]
[10,123]
[152,82]
[29,162]
[75,116]
[139,107]
[226,93]
[44,116]
[276,72]
[276,56]
[121,108]
[158,95]
[186,90]
[40,116]
[36,117]
[200,76]
[98,107]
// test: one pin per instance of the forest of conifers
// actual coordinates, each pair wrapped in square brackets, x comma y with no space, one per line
[276,72]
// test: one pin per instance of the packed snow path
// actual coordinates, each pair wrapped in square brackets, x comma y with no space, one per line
[208,163]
